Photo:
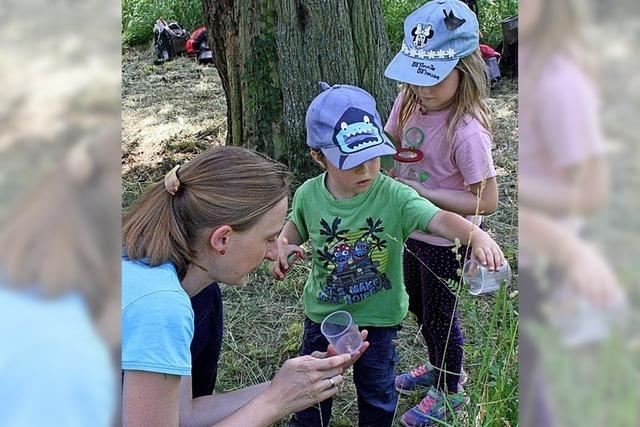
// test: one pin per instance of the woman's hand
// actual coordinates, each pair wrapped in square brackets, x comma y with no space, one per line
[304,381]
[485,250]
[287,256]
[331,351]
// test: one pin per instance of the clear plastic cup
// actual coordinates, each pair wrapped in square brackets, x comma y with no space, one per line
[342,332]
[481,280]
[579,320]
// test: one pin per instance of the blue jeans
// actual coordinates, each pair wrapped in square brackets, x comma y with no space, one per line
[373,375]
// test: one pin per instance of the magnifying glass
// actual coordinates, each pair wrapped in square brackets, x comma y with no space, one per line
[413,137]
[292,258]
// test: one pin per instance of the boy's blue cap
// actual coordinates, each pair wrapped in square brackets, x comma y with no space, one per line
[344,123]
[436,36]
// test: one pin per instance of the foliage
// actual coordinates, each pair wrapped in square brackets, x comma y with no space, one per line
[491,13]
[394,12]
[138,17]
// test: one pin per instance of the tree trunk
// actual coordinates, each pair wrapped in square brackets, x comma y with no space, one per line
[270,55]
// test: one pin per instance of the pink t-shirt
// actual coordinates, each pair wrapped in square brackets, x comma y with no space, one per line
[559,122]
[559,127]
[456,165]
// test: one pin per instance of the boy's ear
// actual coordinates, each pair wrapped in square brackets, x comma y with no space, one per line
[319,159]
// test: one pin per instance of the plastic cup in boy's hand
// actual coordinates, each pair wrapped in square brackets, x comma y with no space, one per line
[341,332]
[481,280]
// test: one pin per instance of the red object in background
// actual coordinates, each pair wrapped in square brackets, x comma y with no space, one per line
[196,39]
[488,52]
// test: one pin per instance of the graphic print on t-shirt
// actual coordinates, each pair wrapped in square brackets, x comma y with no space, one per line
[353,260]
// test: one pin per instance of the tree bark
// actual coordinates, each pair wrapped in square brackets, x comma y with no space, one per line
[270,55]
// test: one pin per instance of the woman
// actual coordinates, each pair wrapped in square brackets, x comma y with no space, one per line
[213,219]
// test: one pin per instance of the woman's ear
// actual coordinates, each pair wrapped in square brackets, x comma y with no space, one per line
[318,158]
[219,238]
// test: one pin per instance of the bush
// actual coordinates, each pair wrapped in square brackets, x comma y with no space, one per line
[394,12]
[491,12]
[138,17]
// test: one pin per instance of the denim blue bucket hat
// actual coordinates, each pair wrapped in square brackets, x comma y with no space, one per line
[436,36]
[344,123]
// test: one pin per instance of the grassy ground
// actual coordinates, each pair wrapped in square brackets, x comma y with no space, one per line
[172,112]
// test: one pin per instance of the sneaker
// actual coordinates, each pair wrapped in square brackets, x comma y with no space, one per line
[433,409]
[422,377]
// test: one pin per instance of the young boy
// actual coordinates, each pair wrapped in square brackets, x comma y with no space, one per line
[357,220]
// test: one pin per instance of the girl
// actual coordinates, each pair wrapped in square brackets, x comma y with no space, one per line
[213,219]
[442,120]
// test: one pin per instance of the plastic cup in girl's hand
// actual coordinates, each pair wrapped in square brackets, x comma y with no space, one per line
[481,280]
[341,332]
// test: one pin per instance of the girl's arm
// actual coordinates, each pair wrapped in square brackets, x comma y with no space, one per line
[289,241]
[584,189]
[452,226]
[482,199]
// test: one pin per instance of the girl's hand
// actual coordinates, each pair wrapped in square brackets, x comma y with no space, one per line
[287,256]
[590,274]
[485,250]
[305,381]
[331,351]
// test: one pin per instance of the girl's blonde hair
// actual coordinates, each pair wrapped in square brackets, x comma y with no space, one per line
[222,186]
[469,98]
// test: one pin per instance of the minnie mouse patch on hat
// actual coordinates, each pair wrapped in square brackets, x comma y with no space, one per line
[436,36]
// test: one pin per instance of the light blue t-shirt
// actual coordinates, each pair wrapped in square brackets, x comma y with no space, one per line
[157,319]
[55,369]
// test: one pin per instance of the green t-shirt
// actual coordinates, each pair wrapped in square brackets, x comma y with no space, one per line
[357,248]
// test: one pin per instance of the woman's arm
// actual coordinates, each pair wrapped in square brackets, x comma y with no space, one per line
[452,226]
[150,399]
[208,410]
[154,399]
[300,383]
[482,199]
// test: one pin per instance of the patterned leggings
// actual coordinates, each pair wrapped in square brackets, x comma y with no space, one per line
[426,266]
